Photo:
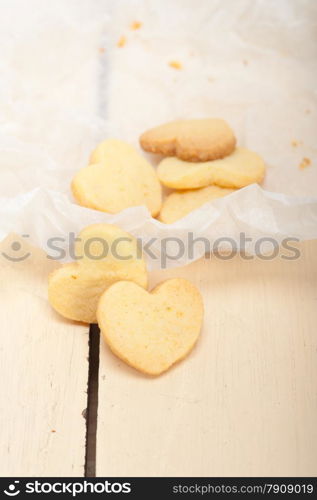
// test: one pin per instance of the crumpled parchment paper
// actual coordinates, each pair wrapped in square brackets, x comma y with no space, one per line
[66,85]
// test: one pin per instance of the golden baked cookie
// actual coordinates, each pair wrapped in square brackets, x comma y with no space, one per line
[191,140]
[241,168]
[119,179]
[151,331]
[105,254]
[181,203]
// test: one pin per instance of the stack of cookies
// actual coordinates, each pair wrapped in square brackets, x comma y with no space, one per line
[203,163]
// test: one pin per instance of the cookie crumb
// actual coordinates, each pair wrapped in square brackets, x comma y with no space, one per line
[136,25]
[245,62]
[53,430]
[102,50]
[305,163]
[121,42]
[295,143]
[307,111]
[175,64]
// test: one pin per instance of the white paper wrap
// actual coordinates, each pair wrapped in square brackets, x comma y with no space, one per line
[65,86]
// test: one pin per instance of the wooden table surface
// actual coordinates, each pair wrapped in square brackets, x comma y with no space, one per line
[243,403]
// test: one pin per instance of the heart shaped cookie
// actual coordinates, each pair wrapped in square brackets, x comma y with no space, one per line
[105,254]
[191,140]
[119,178]
[151,331]
[181,203]
[241,168]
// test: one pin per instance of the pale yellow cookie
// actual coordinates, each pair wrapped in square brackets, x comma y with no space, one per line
[105,244]
[181,203]
[191,140]
[121,178]
[151,331]
[104,254]
[241,168]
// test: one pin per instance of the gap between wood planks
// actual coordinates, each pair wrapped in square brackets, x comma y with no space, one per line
[92,401]
[94,332]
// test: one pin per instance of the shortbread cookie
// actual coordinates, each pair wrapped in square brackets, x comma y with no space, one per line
[121,178]
[151,331]
[105,254]
[191,140]
[181,203]
[241,168]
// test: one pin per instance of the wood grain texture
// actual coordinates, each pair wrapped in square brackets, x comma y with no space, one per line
[43,371]
[244,403]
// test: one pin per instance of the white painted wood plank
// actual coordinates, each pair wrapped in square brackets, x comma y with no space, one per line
[244,402]
[43,372]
